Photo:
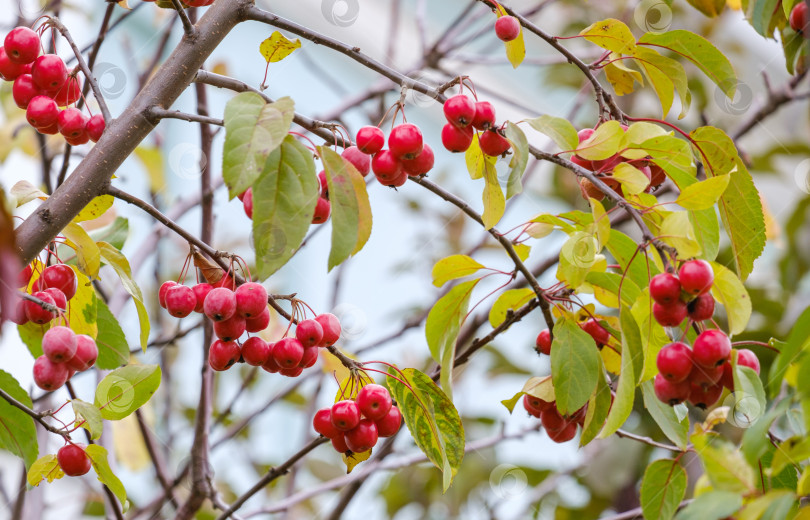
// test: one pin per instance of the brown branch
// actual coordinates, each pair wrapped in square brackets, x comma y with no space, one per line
[188,28]
[38,417]
[162,113]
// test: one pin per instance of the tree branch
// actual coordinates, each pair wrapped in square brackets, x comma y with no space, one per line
[38,417]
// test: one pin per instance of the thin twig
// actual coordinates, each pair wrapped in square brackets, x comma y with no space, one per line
[188,28]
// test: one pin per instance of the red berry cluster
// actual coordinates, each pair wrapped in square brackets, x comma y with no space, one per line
[464,116]
[244,310]
[407,153]
[42,85]
[507,28]
[687,294]
[73,460]
[592,326]
[561,428]
[798,19]
[354,425]
[700,373]
[604,170]
[65,353]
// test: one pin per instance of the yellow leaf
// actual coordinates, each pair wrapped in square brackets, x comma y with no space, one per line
[623,79]
[611,34]
[124,4]
[95,209]
[540,387]
[87,253]
[632,179]
[25,192]
[152,161]
[44,468]
[453,267]
[277,47]
[734,4]
[515,49]
[354,459]
[119,262]
[82,308]
[522,251]
[130,450]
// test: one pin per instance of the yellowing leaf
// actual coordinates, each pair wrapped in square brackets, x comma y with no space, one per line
[152,161]
[622,78]
[25,192]
[95,208]
[353,459]
[454,267]
[515,49]
[87,254]
[277,47]
[493,197]
[677,231]
[703,194]
[476,161]
[510,300]
[603,143]
[710,8]
[44,468]
[601,221]
[560,130]
[730,291]
[130,450]
[83,307]
[632,179]
[611,34]
[120,263]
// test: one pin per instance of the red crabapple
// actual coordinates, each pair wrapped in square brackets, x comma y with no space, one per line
[288,353]
[86,353]
[386,166]
[704,396]
[374,401]
[9,70]
[665,288]
[22,45]
[230,329]
[309,358]
[164,288]
[309,333]
[270,365]
[747,358]
[322,423]
[339,444]
[59,276]
[358,159]
[220,304]
[701,308]
[701,375]
[670,315]
[484,115]
[291,372]
[322,211]
[345,415]
[95,127]
[180,301]
[59,344]
[42,112]
[71,123]
[389,425]
[696,277]
[49,72]
[59,298]
[493,144]
[331,328]
[456,139]
[507,28]
[48,375]
[24,277]
[535,406]
[247,203]
[670,393]
[259,323]
[459,110]
[421,164]
[73,460]
[255,351]
[370,140]
[674,362]
[37,314]
[251,299]
[223,354]
[564,435]
[711,348]
[200,291]
[24,90]
[405,141]
[599,334]
[362,437]
[798,19]
[543,342]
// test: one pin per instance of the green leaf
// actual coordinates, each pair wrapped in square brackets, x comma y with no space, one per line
[613,283]
[675,429]
[653,335]
[44,468]
[798,340]
[493,197]
[113,348]
[120,263]
[707,232]
[626,389]
[662,489]
[432,420]
[725,465]
[559,130]
[740,206]
[611,34]
[774,505]
[253,129]
[755,441]
[676,231]
[87,253]
[89,417]
[598,409]
[604,142]
[277,47]
[710,8]
[18,434]
[712,505]
[351,211]
[476,160]
[699,51]
[632,179]
[760,13]
[666,76]
[115,233]
[284,199]
[634,265]
[750,402]
[98,458]
[510,300]
[520,158]
[454,267]
[730,291]
[703,194]
[442,327]
[791,451]
[126,389]
[574,366]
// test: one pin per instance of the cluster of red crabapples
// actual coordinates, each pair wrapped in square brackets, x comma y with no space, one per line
[64,352]
[604,170]
[239,310]
[687,294]
[700,373]
[355,425]
[560,428]
[464,116]
[407,153]
[42,84]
